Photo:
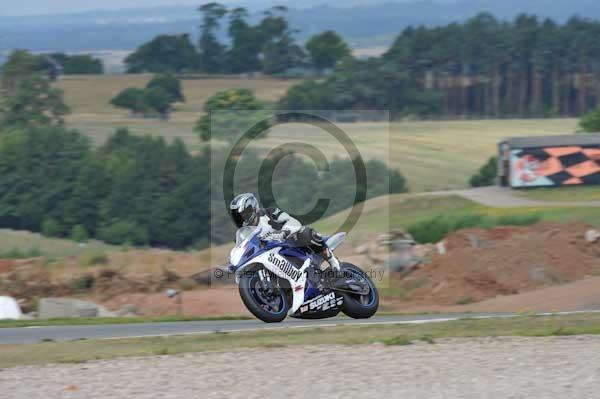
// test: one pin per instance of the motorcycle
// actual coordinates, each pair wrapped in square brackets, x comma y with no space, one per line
[277,279]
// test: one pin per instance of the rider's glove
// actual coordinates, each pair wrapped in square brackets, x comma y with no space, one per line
[275,236]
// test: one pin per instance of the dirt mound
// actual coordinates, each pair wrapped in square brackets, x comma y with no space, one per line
[483,264]
[102,274]
[579,295]
[501,269]
[6,265]
[224,301]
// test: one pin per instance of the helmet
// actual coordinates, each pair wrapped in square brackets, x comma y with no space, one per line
[243,209]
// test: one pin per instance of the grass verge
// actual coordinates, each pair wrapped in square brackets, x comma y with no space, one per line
[84,350]
[560,194]
[405,211]
[16,244]
[435,229]
[110,320]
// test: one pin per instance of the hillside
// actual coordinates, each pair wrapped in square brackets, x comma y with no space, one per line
[433,155]
[123,276]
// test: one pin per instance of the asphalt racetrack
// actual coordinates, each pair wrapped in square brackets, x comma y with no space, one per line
[24,335]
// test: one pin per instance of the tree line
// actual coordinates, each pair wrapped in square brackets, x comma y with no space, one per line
[139,190]
[54,64]
[142,190]
[268,46]
[485,67]
[481,68]
[77,64]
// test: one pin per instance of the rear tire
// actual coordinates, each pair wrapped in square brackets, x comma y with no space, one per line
[360,307]
[251,296]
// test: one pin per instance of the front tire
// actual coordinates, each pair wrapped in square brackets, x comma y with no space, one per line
[360,306]
[270,307]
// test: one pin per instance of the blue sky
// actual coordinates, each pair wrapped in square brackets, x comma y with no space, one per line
[32,7]
[37,7]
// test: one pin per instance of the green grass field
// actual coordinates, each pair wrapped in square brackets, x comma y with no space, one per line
[433,155]
[560,194]
[401,211]
[83,350]
[111,320]
[380,214]
[89,96]
[29,244]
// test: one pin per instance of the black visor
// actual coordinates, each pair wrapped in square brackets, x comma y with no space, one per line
[245,218]
[237,218]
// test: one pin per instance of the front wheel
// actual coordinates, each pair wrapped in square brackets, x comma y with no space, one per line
[262,297]
[355,305]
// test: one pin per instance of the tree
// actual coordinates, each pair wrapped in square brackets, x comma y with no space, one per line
[91,187]
[165,53]
[51,228]
[124,232]
[280,52]
[160,101]
[486,176]
[83,64]
[170,84]
[79,234]
[326,50]
[281,55]
[133,99]
[227,115]
[21,64]
[145,191]
[158,97]
[38,172]
[590,122]
[246,43]
[27,98]
[370,84]
[307,95]
[212,53]
[34,103]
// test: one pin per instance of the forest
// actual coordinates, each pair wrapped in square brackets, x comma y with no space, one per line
[268,46]
[147,191]
[481,68]
[143,191]
[138,190]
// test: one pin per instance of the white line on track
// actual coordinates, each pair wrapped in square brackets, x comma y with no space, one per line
[367,323]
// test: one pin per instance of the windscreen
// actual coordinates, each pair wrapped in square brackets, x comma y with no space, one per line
[245,232]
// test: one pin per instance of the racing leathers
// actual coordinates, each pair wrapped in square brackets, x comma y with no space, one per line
[278,225]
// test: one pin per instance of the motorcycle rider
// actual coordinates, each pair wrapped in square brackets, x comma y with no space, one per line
[245,210]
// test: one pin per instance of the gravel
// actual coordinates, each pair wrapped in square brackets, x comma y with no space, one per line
[452,368]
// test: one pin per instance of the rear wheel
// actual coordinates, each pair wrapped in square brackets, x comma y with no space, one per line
[261,295]
[360,306]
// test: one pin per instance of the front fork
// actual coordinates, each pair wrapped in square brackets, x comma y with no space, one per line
[270,284]
[267,284]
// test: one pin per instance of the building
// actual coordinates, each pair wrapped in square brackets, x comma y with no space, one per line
[549,161]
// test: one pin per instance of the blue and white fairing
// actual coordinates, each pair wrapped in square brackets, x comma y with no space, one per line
[247,245]
[274,256]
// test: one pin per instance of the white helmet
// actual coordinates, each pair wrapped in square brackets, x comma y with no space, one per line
[243,210]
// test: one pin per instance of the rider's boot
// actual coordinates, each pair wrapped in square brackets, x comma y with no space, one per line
[340,279]
[332,260]
[334,270]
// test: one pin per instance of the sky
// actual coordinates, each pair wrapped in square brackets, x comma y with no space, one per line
[41,7]
[36,7]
